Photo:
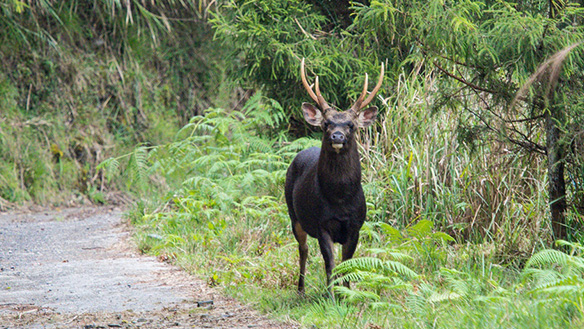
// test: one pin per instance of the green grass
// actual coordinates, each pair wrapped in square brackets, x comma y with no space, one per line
[448,243]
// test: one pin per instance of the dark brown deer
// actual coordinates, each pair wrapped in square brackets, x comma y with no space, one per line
[323,185]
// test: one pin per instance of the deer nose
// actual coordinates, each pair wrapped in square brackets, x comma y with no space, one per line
[338,137]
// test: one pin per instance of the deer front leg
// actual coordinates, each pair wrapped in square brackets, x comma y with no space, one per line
[348,250]
[326,248]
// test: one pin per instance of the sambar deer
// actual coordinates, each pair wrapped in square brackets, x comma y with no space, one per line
[323,185]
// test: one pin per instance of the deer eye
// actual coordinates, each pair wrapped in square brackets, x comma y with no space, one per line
[351,125]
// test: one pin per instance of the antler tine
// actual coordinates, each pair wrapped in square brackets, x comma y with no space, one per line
[305,83]
[375,90]
[321,102]
[316,97]
[357,105]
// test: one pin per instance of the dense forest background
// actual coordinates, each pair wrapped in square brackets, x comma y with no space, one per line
[190,112]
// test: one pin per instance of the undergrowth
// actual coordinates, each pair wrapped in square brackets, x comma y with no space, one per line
[82,81]
[431,253]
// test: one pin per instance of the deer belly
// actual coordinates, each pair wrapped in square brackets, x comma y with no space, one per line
[338,230]
[319,218]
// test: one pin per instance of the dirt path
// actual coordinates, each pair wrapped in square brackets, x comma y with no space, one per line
[77,268]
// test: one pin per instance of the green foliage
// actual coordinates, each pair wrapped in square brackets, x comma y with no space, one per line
[84,81]
[457,293]
[225,209]
[471,59]
[269,38]
[224,218]
[457,198]
[557,276]
[490,57]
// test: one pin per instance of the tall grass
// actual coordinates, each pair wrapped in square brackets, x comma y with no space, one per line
[418,168]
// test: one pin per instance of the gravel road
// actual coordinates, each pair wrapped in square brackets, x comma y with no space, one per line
[77,268]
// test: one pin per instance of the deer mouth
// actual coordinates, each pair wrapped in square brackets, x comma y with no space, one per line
[337,146]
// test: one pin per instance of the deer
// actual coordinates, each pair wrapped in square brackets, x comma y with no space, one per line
[323,185]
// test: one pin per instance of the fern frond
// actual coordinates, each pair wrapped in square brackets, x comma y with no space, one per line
[379,282]
[572,285]
[564,291]
[374,265]
[541,277]
[137,166]
[110,167]
[355,296]
[393,233]
[442,236]
[421,229]
[444,296]
[355,276]
[361,263]
[416,303]
[197,182]
[548,257]
[392,254]
[292,148]
[399,268]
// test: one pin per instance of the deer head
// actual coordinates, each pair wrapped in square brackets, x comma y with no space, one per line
[339,126]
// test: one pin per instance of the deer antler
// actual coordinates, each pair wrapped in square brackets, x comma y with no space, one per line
[316,97]
[360,103]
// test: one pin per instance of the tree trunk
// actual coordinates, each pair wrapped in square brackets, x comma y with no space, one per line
[557,184]
[555,152]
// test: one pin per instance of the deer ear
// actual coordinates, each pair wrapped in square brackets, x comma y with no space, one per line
[367,117]
[312,114]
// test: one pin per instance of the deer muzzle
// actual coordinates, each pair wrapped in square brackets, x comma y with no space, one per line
[338,140]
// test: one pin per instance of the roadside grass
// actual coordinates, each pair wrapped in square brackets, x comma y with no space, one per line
[455,237]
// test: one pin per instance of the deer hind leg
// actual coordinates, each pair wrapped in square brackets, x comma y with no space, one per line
[300,236]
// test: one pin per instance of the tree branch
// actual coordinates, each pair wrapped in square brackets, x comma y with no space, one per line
[459,79]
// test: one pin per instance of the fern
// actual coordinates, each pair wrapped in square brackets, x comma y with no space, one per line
[421,229]
[356,296]
[548,257]
[265,115]
[110,166]
[373,274]
[368,263]
[438,297]
[400,269]
[393,233]
[138,167]
[555,276]
[392,254]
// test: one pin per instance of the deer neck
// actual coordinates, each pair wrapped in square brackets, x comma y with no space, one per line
[339,173]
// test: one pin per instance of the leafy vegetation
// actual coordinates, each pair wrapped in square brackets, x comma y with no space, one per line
[484,51]
[227,222]
[480,123]
[82,81]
